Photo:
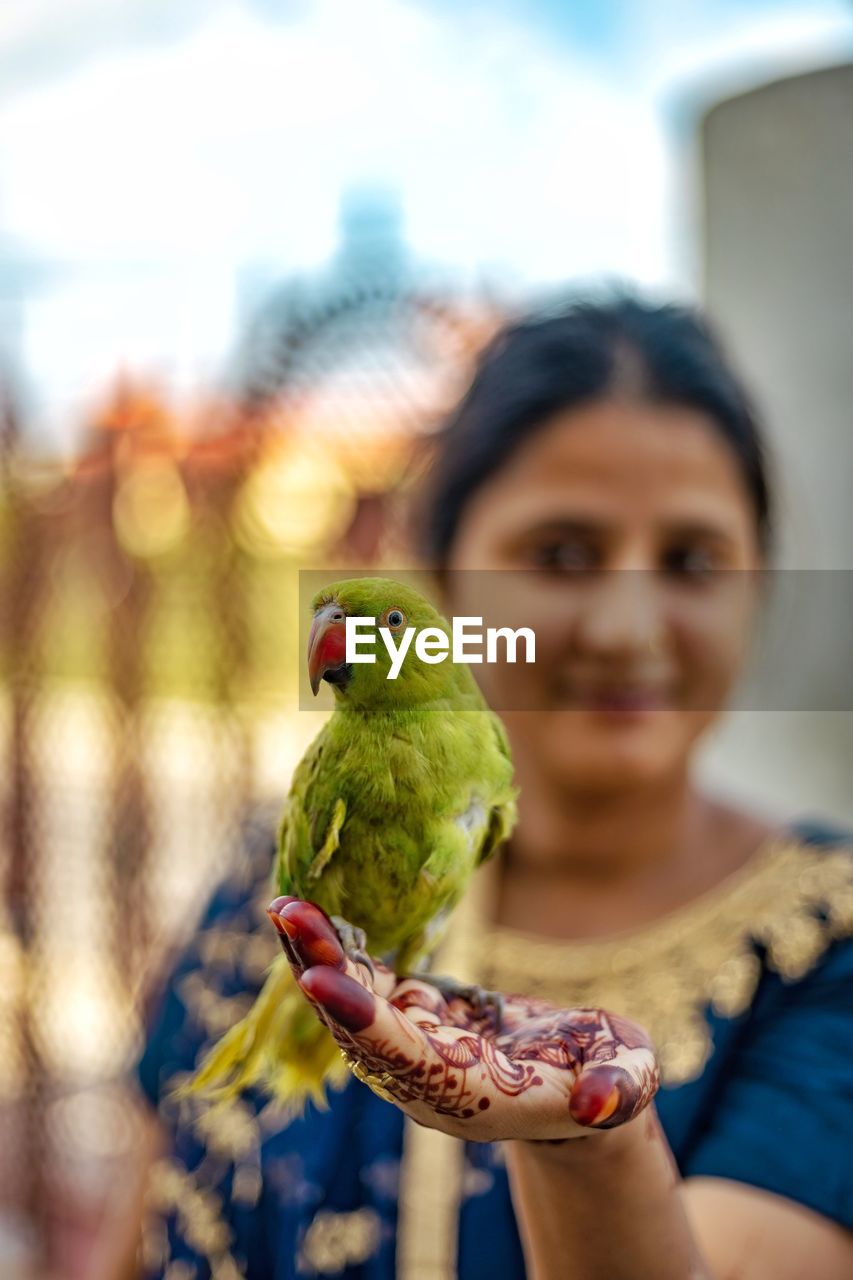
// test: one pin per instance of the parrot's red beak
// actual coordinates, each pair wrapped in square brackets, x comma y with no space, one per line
[327,643]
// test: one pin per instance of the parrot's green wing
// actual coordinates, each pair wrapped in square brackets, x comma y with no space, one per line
[503,814]
[501,823]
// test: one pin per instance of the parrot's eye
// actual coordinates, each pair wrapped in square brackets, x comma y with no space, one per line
[394,619]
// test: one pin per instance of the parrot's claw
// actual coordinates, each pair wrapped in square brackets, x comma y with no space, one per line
[481,1001]
[354,942]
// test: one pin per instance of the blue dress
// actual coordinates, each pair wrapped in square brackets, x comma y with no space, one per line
[747,994]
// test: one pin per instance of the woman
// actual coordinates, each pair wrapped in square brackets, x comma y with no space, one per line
[606,468]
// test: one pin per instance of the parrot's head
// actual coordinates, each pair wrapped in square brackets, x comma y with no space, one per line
[366,684]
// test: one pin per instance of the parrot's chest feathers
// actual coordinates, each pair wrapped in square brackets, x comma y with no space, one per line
[409,771]
[409,786]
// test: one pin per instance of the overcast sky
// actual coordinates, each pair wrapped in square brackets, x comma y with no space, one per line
[150,152]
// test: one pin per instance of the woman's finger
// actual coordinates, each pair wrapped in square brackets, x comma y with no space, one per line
[399,1057]
[309,938]
[607,1064]
[308,935]
[603,1097]
[619,1076]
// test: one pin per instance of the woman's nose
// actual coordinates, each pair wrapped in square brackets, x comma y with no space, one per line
[621,613]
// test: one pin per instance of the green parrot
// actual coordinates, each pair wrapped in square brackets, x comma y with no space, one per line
[405,790]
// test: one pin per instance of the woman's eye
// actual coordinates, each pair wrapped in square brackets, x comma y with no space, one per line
[565,557]
[395,619]
[690,562]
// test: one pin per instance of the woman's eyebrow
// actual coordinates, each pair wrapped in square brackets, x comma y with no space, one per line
[558,525]
[699,531]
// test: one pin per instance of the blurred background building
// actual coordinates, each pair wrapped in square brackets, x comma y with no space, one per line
[248,253]
[775,234]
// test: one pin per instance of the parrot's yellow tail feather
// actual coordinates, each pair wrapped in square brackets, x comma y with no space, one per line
[280,1046]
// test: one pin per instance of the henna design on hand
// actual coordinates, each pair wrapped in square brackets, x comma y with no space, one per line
[544,1073]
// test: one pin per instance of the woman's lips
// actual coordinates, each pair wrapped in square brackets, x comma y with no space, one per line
[618,700]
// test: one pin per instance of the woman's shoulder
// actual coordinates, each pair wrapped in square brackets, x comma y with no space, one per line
[804,922]
[799,892]
[806,919]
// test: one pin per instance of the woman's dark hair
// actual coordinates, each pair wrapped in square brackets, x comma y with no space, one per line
[557,360]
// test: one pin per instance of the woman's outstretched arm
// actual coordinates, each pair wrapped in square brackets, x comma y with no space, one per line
[619,1208]
[608,1207]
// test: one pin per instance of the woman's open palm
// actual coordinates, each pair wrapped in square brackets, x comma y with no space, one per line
[534,1072]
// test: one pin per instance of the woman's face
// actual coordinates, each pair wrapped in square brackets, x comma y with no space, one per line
[625,517]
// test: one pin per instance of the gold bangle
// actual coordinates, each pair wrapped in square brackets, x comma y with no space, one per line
[381,1084]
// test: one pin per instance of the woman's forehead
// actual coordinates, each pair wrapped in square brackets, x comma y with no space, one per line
[625,456]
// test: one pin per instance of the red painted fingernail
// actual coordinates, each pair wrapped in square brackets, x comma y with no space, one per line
[599,1098]
[345,1000]
[274,912]
[312,934]
[278,904]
